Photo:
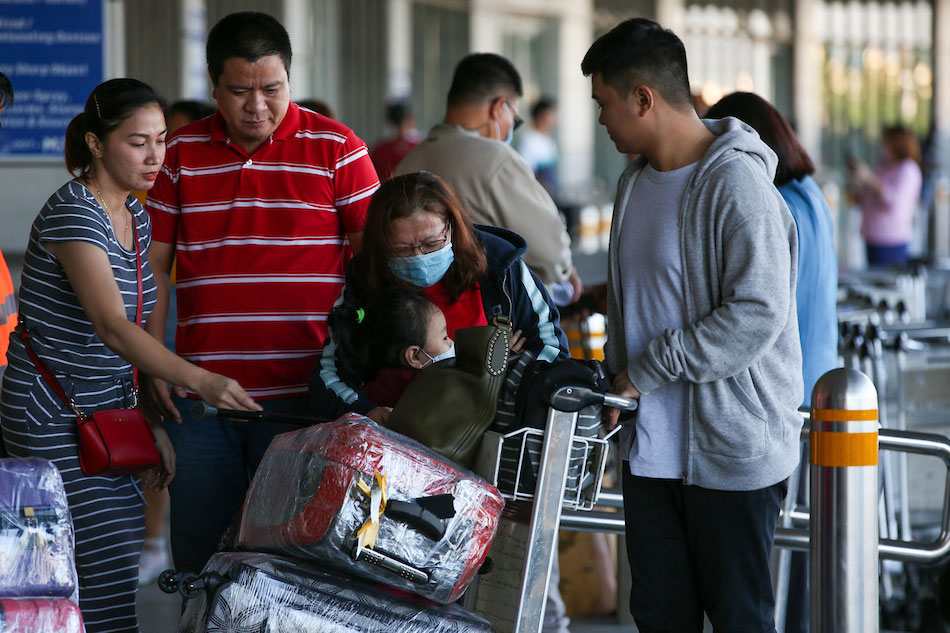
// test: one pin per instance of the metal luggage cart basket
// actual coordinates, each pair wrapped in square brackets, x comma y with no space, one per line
[511,594]
[511,460]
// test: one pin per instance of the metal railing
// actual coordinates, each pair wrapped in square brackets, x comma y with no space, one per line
[798,537]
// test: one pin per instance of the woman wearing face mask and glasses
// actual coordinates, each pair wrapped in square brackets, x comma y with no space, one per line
[419,236]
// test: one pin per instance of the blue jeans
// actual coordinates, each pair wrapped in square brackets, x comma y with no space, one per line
[692,550]
[216,460]
[887,255]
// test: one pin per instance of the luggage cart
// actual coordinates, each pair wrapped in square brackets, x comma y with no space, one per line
[512,594]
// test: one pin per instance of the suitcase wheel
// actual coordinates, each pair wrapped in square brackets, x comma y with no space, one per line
[192,584]
[168,580]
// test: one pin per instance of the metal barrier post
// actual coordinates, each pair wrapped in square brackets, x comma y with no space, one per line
[844,504]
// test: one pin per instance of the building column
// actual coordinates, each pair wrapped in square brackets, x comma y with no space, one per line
[192,35]
[941,123]
[115,39]
[671,14]
[399,58]
[807,79]
[484,31]
[575,107]
[296,18]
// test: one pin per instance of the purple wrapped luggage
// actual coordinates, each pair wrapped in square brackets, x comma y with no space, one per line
[261,593]
[36,533]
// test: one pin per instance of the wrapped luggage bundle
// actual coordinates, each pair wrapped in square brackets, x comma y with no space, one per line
[259,592]
[32,615]
[365,500]
[36,532]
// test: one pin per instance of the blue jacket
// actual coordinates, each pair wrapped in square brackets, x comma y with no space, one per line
[509,289]
[816,292]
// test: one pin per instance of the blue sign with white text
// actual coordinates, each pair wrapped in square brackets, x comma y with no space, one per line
[52,51]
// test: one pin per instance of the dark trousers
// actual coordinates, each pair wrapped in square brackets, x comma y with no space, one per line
[695,550]
[887,255]
[216,460]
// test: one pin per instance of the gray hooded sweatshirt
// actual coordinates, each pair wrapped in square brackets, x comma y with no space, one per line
[740,353]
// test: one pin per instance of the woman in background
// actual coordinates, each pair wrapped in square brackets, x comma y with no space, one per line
[889,196]
[816,290]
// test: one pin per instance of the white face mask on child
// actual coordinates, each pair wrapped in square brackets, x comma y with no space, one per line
[447,354]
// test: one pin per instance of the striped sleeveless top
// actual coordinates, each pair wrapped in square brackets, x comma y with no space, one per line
[61,333]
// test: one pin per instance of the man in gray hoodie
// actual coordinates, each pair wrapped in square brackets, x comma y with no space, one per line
[702,328]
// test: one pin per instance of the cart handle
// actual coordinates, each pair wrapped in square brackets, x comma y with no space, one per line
[572,398]
[201,410]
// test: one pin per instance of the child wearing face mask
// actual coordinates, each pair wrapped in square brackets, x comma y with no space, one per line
[385,343]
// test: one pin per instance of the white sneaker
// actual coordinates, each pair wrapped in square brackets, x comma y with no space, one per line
[153,562]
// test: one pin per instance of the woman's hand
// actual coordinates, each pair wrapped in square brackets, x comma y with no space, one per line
[158,477]
[156,400]
[380,415]
[517,341]
[224,393]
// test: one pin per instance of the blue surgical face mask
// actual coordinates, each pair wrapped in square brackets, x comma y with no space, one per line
[511,133]
[447,354]
[424,270]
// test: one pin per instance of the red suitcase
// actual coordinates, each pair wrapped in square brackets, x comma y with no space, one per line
[39,615]
[318,489]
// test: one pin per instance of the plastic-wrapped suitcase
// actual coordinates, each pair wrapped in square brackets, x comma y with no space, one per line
[260,593]
[320,493]
[36,532]
[39,615]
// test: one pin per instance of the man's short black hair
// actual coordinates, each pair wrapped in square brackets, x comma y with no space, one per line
[640,51]
[249,35]
[541,106]
[6,92]
[481,76]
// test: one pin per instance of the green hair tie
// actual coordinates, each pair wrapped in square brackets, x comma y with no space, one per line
[359,315]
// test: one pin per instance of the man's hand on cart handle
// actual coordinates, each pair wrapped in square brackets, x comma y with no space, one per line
[621,387]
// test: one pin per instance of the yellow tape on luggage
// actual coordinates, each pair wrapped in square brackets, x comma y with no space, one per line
[366,535]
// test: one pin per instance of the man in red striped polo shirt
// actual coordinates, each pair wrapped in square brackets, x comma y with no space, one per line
[255,204]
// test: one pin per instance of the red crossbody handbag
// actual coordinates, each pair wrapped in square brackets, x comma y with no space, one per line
[113,442]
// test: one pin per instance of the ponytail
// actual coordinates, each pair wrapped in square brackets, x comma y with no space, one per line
[351,341]
[78,156]
[108,106]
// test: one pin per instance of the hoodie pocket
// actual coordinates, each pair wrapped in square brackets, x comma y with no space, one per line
[743,386]
[732,419]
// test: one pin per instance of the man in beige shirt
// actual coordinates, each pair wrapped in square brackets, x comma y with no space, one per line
[471,150]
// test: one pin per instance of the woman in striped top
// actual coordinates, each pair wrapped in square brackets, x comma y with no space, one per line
[78,298]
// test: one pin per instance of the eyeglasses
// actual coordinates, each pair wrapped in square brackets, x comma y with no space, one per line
[424,248]
[516,120]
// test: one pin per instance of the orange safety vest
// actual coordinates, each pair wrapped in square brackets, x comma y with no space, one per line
[8,312]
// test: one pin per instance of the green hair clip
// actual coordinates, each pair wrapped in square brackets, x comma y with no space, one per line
[359,315]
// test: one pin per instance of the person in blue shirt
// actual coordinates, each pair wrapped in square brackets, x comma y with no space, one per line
[817,276]
[817,261]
